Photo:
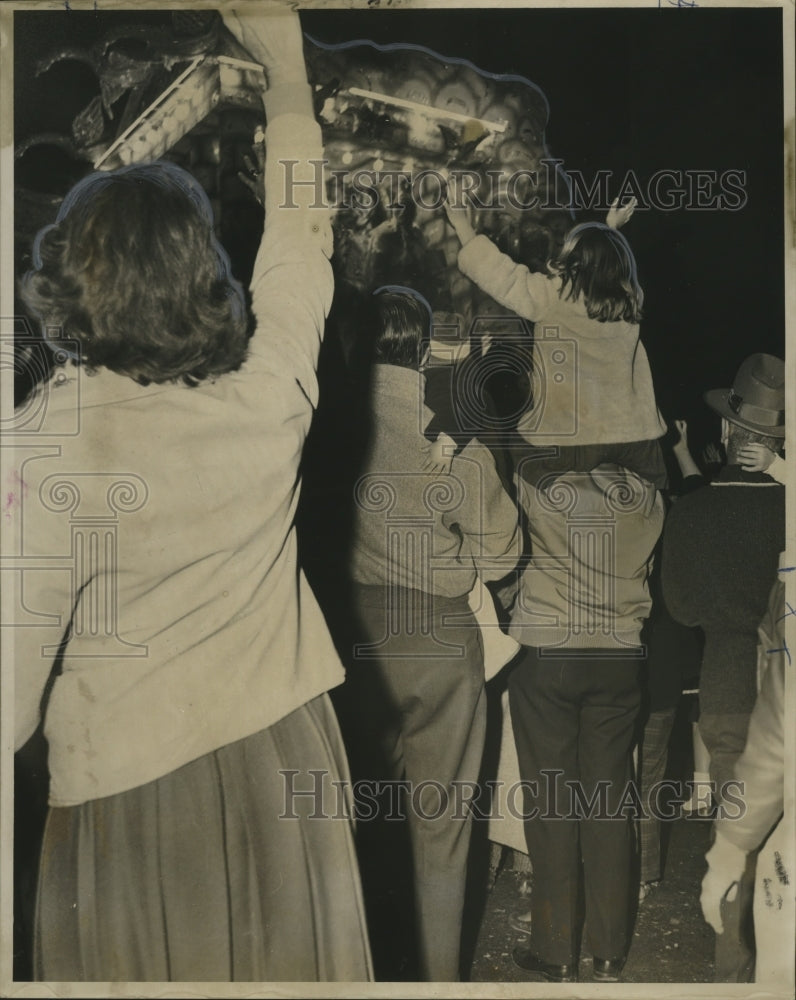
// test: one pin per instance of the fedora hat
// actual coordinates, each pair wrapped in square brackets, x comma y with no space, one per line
[757,398]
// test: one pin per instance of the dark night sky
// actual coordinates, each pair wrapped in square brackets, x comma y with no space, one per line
[640,89]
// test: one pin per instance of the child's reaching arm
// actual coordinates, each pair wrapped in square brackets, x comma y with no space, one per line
[443,434]
[689,470]
[527,294]
[618,216]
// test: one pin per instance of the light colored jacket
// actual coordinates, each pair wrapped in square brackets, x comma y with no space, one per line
[592,539]
[164,515]
[592,382]
[761,767]
[421,531]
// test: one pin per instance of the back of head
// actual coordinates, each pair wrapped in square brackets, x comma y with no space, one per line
[597,265]
[132,270]
[753,408]
[401,326]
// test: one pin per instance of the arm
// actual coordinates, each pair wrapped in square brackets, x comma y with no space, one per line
[682,452]
[43,592]
[761,769]
[34,646]
[442,431]
[292,281]
[755,457]
[778,470]
[488,518]
[526,293]
[618,216]
[511,284]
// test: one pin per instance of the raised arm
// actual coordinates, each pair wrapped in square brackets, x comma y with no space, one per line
[511,284]
[682,452]
[292,281]
[618,214]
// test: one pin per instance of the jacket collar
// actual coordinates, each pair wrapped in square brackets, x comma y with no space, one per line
[735,474]
[402,383]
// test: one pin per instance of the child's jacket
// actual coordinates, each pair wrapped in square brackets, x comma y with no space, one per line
[592,382]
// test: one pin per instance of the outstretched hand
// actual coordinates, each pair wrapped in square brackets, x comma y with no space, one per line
[272,37]
[619,215]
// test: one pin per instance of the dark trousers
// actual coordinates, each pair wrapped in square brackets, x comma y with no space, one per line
[417,692]
[654,758]
[575,716]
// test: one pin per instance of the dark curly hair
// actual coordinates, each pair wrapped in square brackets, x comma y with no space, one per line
[132,270]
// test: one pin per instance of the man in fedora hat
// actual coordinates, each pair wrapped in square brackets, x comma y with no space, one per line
[720,555]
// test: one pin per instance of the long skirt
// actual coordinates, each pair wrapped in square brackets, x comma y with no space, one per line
[215,872]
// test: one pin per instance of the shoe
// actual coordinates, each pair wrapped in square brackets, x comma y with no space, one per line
[525,959]
[521,922]
[608,970]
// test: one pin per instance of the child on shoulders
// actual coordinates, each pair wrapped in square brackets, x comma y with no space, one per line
[596,403]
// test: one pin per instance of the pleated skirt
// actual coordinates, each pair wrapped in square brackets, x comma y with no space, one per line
[215,872]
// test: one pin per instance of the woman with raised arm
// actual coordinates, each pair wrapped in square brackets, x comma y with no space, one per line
[190,734]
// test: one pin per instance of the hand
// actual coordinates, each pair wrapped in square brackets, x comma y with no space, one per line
[711,454]
[755,457]
[439,455]
[460,213]
[617,216]
[715,888]
[726,864]
[273,38]
[682,429]
[254,179]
